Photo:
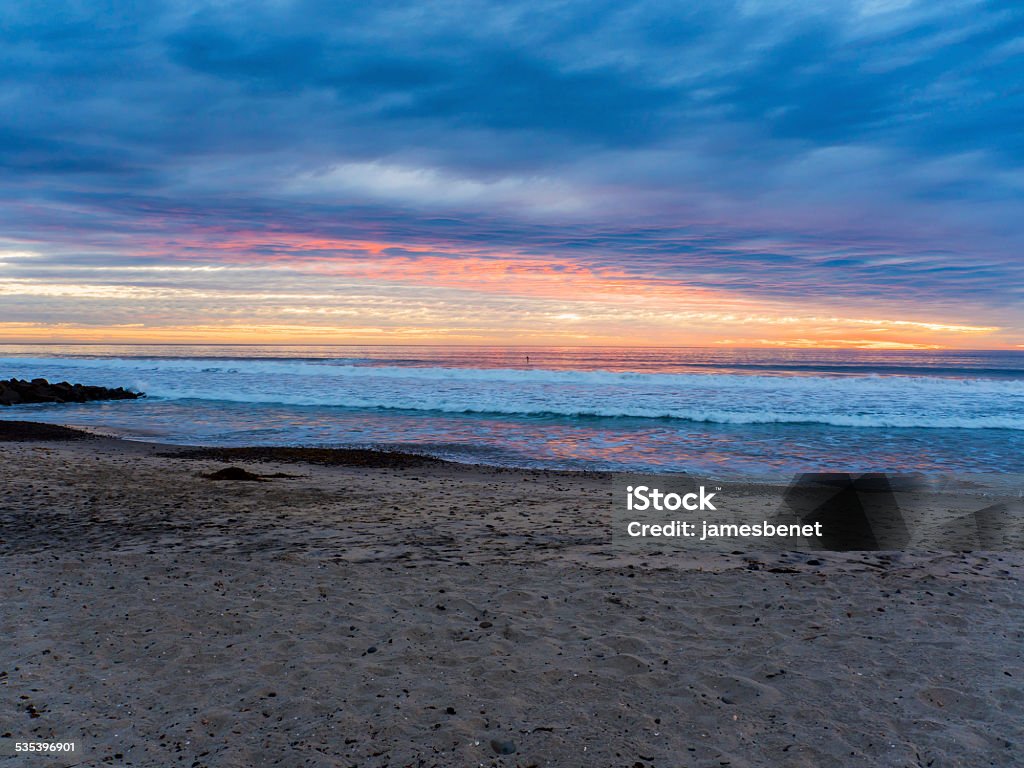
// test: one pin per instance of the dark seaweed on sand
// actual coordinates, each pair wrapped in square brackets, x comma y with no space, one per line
[345,457]
[23,431]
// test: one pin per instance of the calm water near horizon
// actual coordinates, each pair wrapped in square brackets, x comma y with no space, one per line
[726,411]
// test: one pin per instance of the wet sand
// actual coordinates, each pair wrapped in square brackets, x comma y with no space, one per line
[407,612]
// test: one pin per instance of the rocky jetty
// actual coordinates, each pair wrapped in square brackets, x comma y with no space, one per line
[19,391]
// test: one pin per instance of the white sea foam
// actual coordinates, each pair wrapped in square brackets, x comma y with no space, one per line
[847,401]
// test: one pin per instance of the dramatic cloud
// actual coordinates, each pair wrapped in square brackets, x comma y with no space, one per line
[747,172]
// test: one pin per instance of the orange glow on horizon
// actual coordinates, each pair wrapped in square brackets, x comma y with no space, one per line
[367,291]
[19,333]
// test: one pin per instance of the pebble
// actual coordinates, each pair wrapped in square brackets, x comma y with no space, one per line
[503,747]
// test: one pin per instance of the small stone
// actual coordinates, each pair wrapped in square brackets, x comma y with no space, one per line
[450,710]
[234,473]
[503,747]
[485,625]
[372,649]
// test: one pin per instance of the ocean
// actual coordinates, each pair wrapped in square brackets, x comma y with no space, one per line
[729,412]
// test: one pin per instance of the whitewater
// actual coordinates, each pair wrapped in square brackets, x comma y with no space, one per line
[655,409]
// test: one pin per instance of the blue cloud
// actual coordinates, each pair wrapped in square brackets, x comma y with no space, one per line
[877,152]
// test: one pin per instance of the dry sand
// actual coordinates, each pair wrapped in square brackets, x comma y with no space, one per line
[441,615]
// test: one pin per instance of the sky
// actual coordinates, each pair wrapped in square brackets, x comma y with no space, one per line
[837,174]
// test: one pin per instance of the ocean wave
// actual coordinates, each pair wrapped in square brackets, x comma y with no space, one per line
[397,403]
[878,401]
[347,368]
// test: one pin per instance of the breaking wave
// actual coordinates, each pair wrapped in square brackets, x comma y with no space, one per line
[870,400]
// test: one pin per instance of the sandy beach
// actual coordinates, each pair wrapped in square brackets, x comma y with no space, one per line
[436,614]
[512,384]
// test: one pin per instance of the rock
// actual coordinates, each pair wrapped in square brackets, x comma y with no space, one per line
[16,391]
[503,747]
[234,473]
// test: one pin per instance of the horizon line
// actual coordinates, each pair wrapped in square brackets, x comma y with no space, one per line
[1017,348]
